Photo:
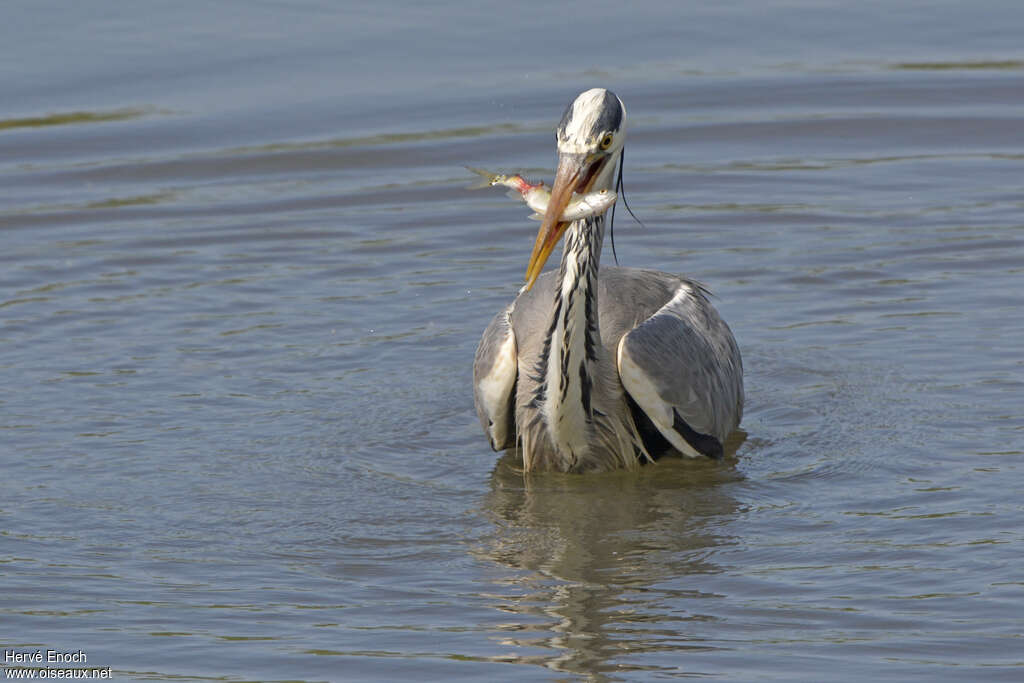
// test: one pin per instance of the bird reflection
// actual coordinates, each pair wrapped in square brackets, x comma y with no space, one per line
[600,564]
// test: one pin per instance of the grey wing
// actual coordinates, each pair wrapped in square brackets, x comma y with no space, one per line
[495,369]
[682,367]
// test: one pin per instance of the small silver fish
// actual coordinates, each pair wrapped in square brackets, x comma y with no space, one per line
[537,196]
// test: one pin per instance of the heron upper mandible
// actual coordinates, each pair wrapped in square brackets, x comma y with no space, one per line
[599,369]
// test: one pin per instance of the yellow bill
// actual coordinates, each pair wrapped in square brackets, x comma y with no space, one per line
[576,173]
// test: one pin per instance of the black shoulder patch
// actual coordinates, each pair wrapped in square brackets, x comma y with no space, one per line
[657,445]
[702,443]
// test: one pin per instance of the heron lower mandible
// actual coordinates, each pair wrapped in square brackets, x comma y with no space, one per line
[594,369]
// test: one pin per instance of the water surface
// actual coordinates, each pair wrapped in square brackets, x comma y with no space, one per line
[242,283]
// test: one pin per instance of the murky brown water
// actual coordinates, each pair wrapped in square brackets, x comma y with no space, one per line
[241,287]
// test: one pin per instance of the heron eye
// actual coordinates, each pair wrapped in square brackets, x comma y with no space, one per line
[606,141]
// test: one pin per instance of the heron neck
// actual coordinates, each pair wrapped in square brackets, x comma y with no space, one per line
[573,344]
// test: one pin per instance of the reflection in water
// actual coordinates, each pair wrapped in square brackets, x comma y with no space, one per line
[602,560]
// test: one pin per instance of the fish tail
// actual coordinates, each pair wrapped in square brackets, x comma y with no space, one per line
[486,178]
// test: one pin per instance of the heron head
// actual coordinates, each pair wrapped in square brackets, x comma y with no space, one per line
[589,139]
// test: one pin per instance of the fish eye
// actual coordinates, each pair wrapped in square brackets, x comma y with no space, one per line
[606,141]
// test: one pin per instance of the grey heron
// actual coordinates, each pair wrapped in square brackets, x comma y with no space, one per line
[592,368]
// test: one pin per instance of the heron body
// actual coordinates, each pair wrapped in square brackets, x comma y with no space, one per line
[599,369]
